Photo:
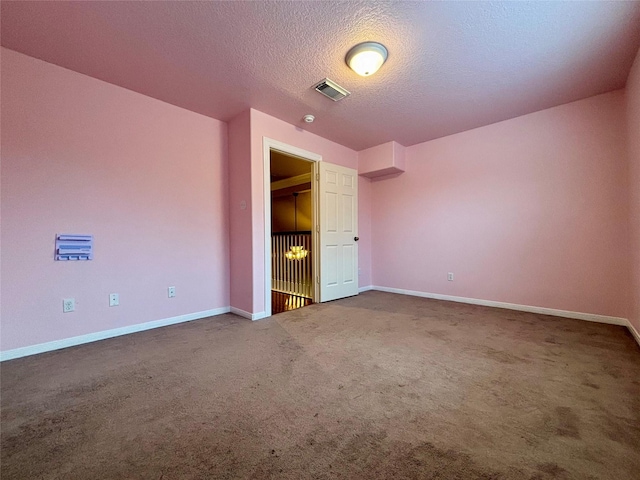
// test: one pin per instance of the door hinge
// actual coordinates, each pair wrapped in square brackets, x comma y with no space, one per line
[317,177]
[318,280]
[318,228]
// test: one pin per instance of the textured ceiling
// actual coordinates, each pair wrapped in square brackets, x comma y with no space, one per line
[452,65]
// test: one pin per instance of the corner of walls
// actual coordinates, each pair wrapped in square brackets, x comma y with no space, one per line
[240,212]
[365,265]
[1,68]
[632,97]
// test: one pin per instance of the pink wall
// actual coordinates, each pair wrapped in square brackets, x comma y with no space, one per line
[633,130]
[263,125]
[530,211]
[146,178]
[365,261]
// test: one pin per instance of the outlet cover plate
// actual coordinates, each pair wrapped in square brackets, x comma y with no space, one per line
[114,300]
[68,305]
[172,292]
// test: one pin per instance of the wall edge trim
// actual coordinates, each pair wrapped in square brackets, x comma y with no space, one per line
[590,317]
[105,334]
[634,333]
[249,315]
[141,327]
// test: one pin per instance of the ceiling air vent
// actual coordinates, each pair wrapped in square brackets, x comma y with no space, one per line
[332,90]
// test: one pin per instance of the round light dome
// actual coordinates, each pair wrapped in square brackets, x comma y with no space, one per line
[366,58]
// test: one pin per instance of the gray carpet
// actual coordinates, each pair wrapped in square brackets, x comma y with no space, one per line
[371,387]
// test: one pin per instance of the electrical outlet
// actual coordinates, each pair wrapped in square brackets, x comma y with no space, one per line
[68,305]
[450,276]
[172,292]
[114,300]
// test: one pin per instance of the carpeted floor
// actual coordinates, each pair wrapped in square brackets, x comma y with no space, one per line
[371,387]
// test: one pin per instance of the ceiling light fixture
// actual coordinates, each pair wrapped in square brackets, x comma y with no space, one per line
[366,58]
[296,252]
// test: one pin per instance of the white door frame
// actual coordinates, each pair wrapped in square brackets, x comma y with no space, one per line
[269,144]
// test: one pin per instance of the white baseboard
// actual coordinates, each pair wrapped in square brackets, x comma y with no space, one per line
[250,316]
[633,331]
[116,332]
[591,317]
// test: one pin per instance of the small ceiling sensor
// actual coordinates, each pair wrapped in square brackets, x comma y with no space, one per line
[309,118]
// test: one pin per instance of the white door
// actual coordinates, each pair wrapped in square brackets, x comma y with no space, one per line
[338,210]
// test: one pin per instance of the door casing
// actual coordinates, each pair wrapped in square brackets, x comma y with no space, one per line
[270,144]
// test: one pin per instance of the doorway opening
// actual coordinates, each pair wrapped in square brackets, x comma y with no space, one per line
[292,219]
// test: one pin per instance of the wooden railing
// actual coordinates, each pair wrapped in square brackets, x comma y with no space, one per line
[291,263]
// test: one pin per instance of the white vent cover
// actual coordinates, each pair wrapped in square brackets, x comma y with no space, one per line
[332,90]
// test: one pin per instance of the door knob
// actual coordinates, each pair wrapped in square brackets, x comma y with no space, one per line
[356,238]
